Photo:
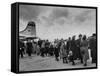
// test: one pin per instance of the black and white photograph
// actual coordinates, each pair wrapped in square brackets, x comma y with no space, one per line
[56,37]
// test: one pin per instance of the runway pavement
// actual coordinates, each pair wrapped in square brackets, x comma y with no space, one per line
[45,63]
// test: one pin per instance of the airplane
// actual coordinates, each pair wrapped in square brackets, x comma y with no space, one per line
[29,32]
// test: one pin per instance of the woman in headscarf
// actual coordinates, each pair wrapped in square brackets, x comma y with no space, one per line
[56,51]
[84,50]
[63,52]
[42,48]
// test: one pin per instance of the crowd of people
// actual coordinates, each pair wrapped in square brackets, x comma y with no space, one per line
[67,50]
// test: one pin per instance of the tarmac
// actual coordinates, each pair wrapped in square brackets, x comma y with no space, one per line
[48,63]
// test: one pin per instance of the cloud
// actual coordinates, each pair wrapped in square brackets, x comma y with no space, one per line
[66,16]
[85,16]
[30,12]
[59,12]
[58,22]
[54,15]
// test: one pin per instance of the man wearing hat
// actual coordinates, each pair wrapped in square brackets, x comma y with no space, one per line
[92,45]
[78,42]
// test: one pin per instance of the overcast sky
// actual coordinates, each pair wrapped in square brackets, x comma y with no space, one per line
[58,22]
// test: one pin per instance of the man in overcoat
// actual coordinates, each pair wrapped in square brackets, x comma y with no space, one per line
[21,48]
[29,47]
[74,50]
[78,42]
[92,45]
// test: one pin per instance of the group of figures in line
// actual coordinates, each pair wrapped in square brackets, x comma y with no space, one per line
[67,50]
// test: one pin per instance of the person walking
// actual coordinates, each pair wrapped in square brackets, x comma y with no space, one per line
[47,47]
[78,42]
[42,49]
[92,45]
[29,47]
[63,52]
[56,51]
[21,48]
[73,48]
[84,50]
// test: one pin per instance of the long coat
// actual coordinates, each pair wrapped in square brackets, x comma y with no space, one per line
[78,42]
[68,45]
[51,50]
[74,49]
[92,45]
[33,48]
[37,49]
[63,51]
[84,49]
[29,47]
[56,50]
[21,48]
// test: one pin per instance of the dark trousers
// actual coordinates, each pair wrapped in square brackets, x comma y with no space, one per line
[46,51]
[42,52]
[81,58]
[65,60]
[71,58]
[21,53]
[56,57]
[29,54]
[80,55]
[93,55]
